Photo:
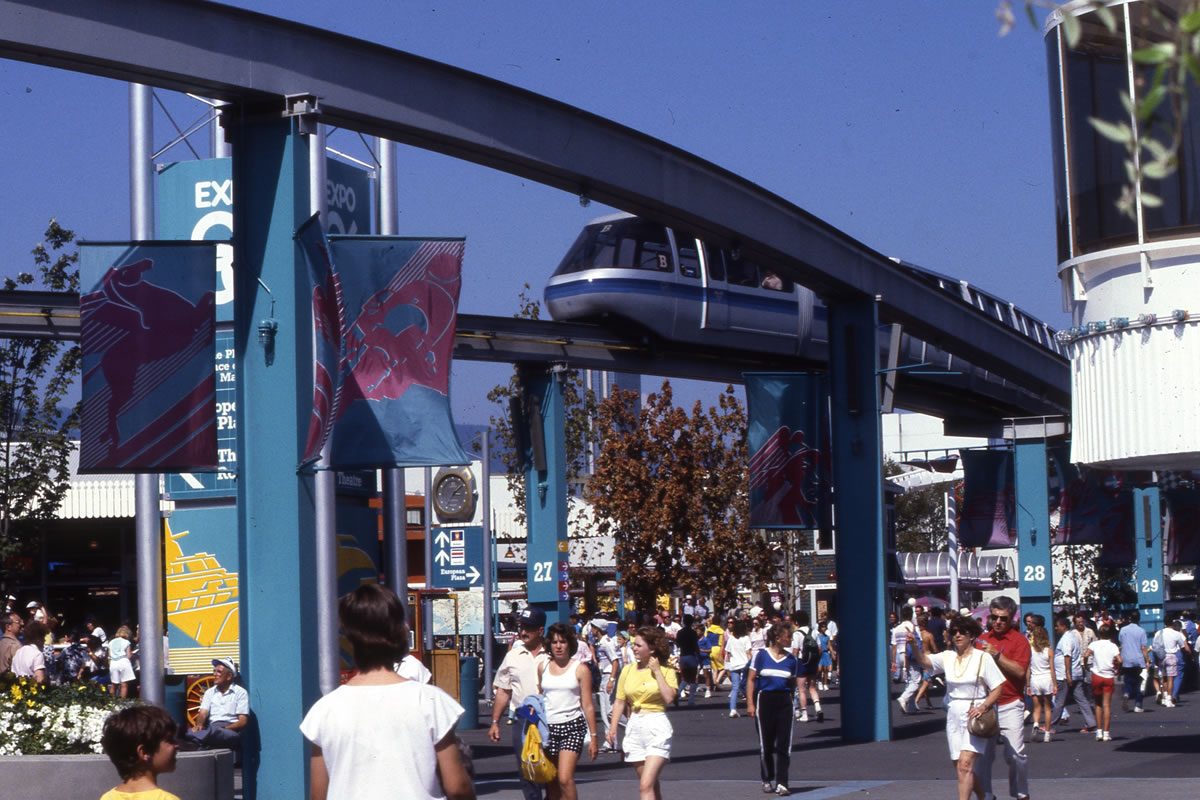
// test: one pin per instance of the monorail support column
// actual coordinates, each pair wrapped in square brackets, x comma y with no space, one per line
[547,548]
[1148,569]
[275,504]
[858,492]
[1035,577]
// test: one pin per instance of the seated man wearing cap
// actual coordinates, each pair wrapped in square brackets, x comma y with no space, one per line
[224,710]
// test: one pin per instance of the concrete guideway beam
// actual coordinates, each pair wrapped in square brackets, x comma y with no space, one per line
[237,55]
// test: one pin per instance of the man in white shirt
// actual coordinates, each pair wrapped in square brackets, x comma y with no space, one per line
[902,634]
[1174,645]
[517,678]
[224,711]
[1068,663]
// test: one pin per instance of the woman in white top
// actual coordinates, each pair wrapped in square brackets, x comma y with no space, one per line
[1041,683]
[973,683]
[379,734]
[566,686]
[1103,657]
[120,667]
[30,661]
[737,661]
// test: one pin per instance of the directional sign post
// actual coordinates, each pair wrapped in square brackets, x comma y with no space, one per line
[457,557]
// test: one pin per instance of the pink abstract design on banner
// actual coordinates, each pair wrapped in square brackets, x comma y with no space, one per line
[381,360]
[144,408]
[779,473]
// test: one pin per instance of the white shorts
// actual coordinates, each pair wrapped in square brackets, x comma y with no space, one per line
[647,734]
[120,670]
[1040,684]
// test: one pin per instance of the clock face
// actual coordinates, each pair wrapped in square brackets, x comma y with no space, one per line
[452,494]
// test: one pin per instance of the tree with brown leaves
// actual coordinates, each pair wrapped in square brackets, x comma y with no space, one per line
[671,488]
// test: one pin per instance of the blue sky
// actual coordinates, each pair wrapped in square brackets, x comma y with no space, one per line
[912,127]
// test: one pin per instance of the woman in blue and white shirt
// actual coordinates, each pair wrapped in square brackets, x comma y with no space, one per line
[769,691]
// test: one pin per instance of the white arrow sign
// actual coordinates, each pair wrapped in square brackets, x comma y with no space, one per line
[473,574]
[441,557]
[441,538]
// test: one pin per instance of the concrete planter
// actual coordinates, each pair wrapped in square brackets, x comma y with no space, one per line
[205,775]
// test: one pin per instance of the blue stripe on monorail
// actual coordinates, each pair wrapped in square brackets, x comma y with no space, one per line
[787,303]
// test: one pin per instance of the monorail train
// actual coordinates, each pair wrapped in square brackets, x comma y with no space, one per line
[676,287]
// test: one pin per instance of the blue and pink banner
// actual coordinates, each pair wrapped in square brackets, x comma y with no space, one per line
[329,322]
[987,516]
[147,329]
[785,441]
[1096,508]
[390,400]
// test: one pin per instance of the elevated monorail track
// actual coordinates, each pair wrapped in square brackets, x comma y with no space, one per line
[254,61]
[960,398]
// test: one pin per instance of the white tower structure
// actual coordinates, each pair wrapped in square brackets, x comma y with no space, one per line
[1130,281]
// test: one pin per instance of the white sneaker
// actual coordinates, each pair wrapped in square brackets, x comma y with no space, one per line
[708,692]
[1138,710]
[1046,736]
[796,716]
[1099,736]
[733,714]
[804,716]
[1107,736]
[1065,717]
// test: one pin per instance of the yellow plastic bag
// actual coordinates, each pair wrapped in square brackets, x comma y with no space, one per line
[535,767]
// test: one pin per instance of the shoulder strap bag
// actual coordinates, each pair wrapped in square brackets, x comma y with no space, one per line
[987,724]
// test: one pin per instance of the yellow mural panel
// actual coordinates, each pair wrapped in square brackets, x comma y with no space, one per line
[202,596]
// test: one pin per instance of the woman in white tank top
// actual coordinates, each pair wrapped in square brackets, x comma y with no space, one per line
[566,687]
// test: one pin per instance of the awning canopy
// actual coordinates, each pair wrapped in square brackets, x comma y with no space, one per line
[976,571]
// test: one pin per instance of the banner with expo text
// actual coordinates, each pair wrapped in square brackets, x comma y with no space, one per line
[147,326]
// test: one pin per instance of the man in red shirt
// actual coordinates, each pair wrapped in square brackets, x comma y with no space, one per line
[1011,650]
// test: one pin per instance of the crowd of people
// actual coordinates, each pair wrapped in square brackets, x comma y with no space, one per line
[38,645]
[1026,676]
[636,670]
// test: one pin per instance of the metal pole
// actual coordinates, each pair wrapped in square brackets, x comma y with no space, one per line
[147,517]
[395,520]
[426,604]
[324,485]
[485,496]
[952,544]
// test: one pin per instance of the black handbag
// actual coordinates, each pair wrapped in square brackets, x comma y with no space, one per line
[987,724]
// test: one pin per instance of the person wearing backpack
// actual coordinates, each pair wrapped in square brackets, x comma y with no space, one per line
[808,657]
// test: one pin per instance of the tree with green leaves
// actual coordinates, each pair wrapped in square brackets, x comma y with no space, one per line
[920,516]
[36,376]
[1152,133]
[672,489]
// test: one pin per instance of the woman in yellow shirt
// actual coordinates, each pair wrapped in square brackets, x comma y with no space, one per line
[646,687]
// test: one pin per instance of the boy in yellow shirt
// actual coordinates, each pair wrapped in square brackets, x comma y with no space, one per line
[140,741]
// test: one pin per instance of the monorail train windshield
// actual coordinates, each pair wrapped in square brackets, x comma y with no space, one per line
[628,243]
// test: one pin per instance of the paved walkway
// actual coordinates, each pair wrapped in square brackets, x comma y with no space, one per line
[1153,754]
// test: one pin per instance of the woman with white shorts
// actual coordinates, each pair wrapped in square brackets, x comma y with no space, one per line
[120,668]
[973,683]
[646,688]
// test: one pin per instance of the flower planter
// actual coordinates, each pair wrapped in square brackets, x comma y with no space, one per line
[206,775]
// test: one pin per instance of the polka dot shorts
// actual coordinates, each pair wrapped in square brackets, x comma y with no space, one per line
[567,735]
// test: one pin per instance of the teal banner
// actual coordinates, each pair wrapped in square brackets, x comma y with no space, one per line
[784,438]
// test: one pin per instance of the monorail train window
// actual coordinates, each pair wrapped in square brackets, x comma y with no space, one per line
[715,258]
[629,243]
[770,279]
[689,256]
[741,272]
